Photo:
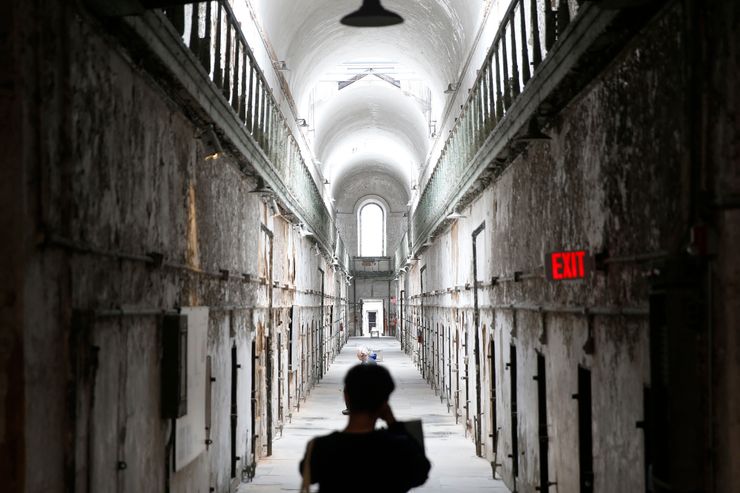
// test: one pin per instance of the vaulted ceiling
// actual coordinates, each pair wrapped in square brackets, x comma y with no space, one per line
[370,95]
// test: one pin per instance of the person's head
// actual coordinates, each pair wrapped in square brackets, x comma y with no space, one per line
[367,388]
[362,353]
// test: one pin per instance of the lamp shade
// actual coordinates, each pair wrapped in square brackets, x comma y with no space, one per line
[371,14]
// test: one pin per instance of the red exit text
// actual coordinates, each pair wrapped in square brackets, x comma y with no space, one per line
[566,266]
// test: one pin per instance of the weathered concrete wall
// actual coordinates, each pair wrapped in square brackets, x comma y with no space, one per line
[129,219]
[721,73]
[612,178]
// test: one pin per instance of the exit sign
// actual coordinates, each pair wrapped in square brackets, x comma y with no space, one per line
[567,266]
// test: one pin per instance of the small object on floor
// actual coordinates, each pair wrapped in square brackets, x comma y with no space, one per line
[345,412]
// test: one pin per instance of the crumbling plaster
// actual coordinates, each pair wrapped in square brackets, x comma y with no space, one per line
[612,178]
[120,179]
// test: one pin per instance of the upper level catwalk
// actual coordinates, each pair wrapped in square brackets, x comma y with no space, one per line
[455,467]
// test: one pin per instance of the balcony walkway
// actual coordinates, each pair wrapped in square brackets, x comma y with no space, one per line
[455,467]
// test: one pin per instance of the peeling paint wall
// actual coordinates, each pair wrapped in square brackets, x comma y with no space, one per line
[613,177]
[128,220]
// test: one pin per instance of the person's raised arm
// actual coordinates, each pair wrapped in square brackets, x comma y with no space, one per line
[386,414]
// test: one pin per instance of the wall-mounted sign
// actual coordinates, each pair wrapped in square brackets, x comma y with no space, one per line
[567,266]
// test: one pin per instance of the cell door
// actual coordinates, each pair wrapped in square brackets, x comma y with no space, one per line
[514,412]
[585,432]
[280,375]
[449,365]
[253,406]
[457,376]
[267,255]
[234,412]
[544,439]
[477,331]
[492,396]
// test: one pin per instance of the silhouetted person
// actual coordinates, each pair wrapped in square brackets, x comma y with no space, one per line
[361,458]
[363,354]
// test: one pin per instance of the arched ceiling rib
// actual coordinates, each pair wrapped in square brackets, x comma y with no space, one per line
[368,123]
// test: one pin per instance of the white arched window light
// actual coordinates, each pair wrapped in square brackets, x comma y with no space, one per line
[371,229]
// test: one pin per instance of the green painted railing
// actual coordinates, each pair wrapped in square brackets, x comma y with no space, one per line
[212,33]
[402,253]
[527,32]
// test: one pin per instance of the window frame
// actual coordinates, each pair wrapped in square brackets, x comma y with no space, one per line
[362,204]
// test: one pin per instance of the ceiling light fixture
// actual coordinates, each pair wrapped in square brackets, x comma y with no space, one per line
[211,144]
[452,88]
[302,122]
[280,65]
[275,208]
[371,14]
[262,188]
[533,132]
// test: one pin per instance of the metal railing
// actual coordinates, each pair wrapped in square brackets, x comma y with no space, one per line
[508,67]
[212,33]
[340,251]
[402,253]
[372,265]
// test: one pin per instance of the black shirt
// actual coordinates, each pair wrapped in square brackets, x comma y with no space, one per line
[387,460]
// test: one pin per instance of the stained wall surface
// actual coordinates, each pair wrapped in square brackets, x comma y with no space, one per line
[614,178]
[122,220]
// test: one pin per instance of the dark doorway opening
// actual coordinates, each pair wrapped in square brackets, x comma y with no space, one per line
[322,323]
[422,331]
[290,378]
[492,394]
[457,376]
[476,346]
[234,410]
[267,239]
[647,437]
[514,415]
[280,376]
[585,437]
[542,423]
[253,406]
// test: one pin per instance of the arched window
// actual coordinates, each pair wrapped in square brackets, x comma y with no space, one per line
[371,230]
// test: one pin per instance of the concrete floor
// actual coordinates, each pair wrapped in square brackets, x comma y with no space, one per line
[455,467]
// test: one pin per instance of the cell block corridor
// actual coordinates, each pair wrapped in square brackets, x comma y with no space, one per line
[525,210]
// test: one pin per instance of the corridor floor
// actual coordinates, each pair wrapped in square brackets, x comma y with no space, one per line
[455,467]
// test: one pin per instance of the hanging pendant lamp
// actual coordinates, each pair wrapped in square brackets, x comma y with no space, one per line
[371,14]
